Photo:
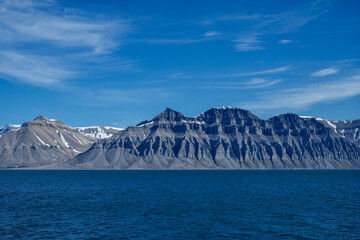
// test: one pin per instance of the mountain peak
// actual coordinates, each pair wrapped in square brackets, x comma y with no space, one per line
[226,115]
[45,119]
[41,118]
[170,115]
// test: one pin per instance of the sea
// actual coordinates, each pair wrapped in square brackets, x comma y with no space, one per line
[249,204]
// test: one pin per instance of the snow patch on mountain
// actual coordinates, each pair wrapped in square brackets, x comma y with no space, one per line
[77,139]
[64,141]
[8,128]
[98,132]
[42,142]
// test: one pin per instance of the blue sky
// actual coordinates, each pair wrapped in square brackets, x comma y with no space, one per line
[121,62]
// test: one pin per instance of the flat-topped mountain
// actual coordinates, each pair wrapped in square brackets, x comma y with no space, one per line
[223,138]
[41,142]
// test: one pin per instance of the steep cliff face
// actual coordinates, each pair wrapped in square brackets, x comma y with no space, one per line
[223,138]
[348,129]
[41,142]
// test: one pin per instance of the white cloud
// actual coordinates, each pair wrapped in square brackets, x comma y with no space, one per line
[36,70]
[285,41]
[39,38]
[248,42]
[246,74]
[271,23]
[212,34]
[174,41]
[179,75]
[31,22]
[298,98]
[269,71]
[283,22]
[254,83]
[234,75]
[325,72]
[106,97]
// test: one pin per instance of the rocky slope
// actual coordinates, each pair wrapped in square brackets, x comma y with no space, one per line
[98,132]
[348,129]
[223,138]
[41,142]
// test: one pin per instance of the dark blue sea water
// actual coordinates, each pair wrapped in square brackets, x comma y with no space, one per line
[180,204]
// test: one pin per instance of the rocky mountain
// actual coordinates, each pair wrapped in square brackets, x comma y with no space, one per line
[41,142]
[98,132]
[348,129]
[8,128]
[223,138]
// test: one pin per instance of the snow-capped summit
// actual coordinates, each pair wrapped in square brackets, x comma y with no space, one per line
[8,128]
[98,132]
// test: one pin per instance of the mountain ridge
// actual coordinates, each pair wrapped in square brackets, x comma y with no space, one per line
[223,138]
[219,138]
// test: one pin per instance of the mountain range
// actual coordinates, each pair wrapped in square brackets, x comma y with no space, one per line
[220,138]
[45,141]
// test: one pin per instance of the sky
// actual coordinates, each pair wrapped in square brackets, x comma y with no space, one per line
[117,63]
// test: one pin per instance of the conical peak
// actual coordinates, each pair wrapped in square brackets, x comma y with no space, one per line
[41,118]
[170,115]
[47,121]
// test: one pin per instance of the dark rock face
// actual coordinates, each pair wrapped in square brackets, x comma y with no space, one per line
[41,142]
[223,138]
[349,129]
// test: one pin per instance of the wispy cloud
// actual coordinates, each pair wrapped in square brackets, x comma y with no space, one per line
[271,23]
[285,41]
[254,83]
[269,71]
[265,24]
[248,42]
[246,74]
[212,34]
[34,22]
[39,38]
[107,97]
[299,98]
[175,41]
[41,71]
[325,72]
[181,75]
[178,75]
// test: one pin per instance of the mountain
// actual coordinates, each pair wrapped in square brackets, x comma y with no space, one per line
[8,128]
[98,132]
[223,138]
[41,142]
[348,129]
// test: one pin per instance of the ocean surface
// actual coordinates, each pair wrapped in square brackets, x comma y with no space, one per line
[180,204]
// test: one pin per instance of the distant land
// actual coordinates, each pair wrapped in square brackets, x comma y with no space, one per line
[220,138]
